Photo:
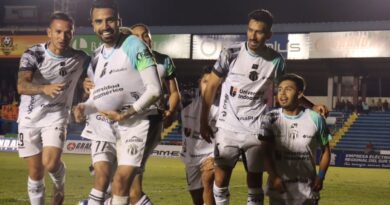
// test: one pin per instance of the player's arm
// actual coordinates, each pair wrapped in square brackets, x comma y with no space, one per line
[173,100]
[152,93]
[27,87]
[207,100]
[320,109]
[324,164]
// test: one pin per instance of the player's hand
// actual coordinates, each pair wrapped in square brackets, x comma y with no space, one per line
[278,185]
[53,90]
[114,115]
[206,132]
[78,113]
[322,110]
[168,118]
[87,85]
[317,184]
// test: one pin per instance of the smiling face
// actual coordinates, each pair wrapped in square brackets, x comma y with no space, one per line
[288,95]
[106,25]
[257,33]
[60,33]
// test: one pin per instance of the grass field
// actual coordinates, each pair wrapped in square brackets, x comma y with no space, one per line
[165,183]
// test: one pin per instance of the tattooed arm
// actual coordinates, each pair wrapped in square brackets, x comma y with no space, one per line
[26,87]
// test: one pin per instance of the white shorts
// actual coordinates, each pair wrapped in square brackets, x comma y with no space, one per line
[230,145]
[31,140]
[137,140]
[194,173]
[102,151]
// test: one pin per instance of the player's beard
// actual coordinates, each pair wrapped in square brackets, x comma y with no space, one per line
[108,39]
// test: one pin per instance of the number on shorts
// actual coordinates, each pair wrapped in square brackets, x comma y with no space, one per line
[20,143]
[98,145]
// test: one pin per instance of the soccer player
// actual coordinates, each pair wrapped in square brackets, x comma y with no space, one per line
[296,133]
[125,79]
[47,78]
[101,132]
[247,72]
[197,154]
[166,70]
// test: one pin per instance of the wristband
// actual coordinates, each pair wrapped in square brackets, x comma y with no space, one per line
[321,174]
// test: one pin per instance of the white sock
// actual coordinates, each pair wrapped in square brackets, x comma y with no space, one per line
[119,200]
[221,195]
[255,196]
[36,191]
[96,197]
[144,201]
[58,176]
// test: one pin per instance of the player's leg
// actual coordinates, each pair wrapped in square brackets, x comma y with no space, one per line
[137,196]
[53,138]
[207,169]
[253,159]
[103,157]
[194,183]
[226,155]
[30,148]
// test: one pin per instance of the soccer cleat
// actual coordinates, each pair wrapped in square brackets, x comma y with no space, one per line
[58,195]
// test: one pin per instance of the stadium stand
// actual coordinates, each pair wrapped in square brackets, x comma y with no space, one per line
[172,135]
[371,128]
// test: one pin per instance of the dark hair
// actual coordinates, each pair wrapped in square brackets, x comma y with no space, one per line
[110,4]
[263,16]
[298,80]
[141,25]
[207,69]
[58,15]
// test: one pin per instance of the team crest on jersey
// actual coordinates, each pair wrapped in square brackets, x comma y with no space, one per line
[234,91]
[135,95]
[132,149]
[253,76]
[63,72]
[7,45]
[144,54]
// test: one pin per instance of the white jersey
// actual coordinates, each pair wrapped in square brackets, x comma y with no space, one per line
[195,147]
[247,88]
[117,79]
[296,140]
[165,66]
[48,68]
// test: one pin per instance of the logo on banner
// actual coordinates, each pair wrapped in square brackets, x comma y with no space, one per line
[7,45]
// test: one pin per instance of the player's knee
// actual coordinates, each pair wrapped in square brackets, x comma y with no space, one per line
[50,165]
[36,174]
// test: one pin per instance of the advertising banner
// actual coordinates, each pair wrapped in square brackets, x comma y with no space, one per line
[208,47]
[12,46]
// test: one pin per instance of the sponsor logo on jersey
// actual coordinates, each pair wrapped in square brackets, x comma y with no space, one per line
[134,139]
[104,70]
[233,91]
[294,125]
[245,94]
[253,76]
[224,113]
[293,134]
[255,66]
[247,118]
[117,70]
[104,119]
[30,106]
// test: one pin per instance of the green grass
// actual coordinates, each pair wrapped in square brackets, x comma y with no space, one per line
[165,183]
